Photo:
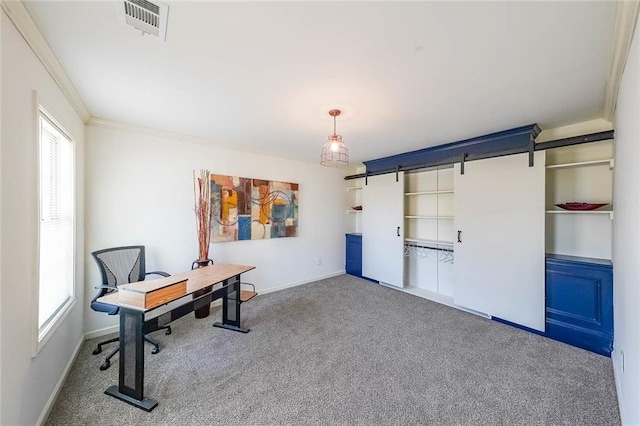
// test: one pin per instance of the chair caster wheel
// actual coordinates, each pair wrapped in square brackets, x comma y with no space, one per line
[168,331]
[106,365]
[97,350]
[155,350]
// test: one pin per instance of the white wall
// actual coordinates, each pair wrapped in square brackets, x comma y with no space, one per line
[28,384]
[1,365]
[626,240]
[140,191]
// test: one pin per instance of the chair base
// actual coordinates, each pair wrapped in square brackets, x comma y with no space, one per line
[98,348]
[107,362]
[147,404]
[156,346]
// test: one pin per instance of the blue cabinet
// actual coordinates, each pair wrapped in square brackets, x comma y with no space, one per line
[579,302]
[353,265]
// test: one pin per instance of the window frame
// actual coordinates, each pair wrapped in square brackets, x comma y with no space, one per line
[41,335]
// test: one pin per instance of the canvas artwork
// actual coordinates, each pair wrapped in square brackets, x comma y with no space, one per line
[253,209]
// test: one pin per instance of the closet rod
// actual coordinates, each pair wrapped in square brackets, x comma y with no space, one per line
[557,143]
[428,247]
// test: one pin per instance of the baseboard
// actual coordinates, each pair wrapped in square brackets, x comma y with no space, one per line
[298,283]
[56,391]
[615,359]
[101,332]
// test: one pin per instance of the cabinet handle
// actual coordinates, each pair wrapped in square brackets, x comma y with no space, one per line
[398,231]
[459,235]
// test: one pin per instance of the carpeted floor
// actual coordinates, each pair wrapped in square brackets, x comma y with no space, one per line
[347,351]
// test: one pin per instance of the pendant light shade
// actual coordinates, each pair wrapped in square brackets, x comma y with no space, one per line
[334,151]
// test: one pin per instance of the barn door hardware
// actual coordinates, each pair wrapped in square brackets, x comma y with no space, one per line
[464,157]
[532,146]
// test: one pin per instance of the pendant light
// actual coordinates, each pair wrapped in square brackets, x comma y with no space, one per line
[334,151]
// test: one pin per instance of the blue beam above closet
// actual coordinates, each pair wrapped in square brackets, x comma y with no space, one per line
[506,142]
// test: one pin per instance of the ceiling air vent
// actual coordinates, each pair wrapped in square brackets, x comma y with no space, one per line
[148,17]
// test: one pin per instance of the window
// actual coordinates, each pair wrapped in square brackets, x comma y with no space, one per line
[56,260]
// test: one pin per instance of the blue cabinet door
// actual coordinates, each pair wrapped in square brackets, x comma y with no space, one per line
[579,302]
[353,265]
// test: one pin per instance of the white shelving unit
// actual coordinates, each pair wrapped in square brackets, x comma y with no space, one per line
[580,173]
[353,199]
[428,214]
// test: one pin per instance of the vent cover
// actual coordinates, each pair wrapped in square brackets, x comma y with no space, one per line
[148,17]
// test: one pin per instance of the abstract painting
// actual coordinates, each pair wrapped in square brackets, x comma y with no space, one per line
[253,209]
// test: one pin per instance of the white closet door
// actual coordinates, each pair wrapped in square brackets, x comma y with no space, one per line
[499,214]
[382,229]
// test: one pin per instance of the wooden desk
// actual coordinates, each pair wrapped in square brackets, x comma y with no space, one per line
[133,325]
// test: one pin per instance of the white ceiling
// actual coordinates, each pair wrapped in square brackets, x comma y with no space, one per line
[263,75]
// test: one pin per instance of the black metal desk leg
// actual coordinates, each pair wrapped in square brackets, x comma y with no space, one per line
[130,387]
[231,308]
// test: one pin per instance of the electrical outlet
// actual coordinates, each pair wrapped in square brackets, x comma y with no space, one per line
[319,261]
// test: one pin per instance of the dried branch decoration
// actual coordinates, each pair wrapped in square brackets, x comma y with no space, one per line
[203,210]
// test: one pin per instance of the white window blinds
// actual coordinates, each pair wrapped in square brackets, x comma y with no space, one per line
[56,237]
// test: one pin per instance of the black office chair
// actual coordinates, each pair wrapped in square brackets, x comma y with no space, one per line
[120,265]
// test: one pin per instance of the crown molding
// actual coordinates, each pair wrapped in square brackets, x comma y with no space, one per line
[626,19]
[130,128]
[17,12]
[165,134]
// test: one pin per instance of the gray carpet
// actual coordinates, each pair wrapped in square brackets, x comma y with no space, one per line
[347,351]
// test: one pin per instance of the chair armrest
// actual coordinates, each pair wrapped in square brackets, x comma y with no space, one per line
[102,290]
[161,273]
[110,287]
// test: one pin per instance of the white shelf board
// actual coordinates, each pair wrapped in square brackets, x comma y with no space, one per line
[592,212]
[353,188]
[608,161]
[444,191]
[353,211]
[429,217]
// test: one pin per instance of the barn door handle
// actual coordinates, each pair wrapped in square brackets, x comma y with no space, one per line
[398,231]
[459,235]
